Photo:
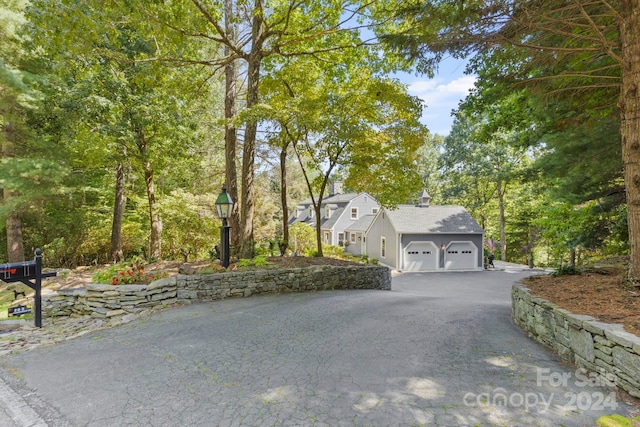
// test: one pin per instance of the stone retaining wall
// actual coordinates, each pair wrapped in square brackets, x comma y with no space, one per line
[598,347]
[107,301]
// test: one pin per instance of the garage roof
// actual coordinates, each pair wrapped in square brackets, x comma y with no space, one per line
[408,219]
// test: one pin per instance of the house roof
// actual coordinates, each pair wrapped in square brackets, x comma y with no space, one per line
[408,219]
[330,222]
[337,203]
[362,224]
[336,198]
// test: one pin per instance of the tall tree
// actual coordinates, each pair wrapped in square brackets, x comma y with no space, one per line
[108,69]
[347,116]
[11,87]
[562,41]
[282,30]
[230,111]
[479,169]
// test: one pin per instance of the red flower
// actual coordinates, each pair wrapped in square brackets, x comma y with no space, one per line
[114,282]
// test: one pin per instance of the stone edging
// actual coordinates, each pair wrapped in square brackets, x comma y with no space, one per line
[108,301]
[602,348]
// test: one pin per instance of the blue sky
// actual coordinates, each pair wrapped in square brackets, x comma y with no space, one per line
[441,94]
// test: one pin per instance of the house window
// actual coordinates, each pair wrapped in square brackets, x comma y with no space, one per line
[310,212]
[327,212]
[341,239]
[383,247]
[353,237]
[354,213]
[327,237]
[374,211]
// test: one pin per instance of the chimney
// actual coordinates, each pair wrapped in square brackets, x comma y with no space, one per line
[335,188]
[425,199]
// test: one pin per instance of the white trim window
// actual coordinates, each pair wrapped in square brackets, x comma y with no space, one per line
[374,211]
[327,212]
[327,238]
[341,239]
[354,213]
[353,237]
[383,247]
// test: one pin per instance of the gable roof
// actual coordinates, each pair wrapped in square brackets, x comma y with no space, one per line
[335,199]
[330,222]
[337,203]
[362,224]
[433,219]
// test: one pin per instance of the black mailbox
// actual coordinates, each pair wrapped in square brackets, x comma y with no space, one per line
[25,272]
[18,271]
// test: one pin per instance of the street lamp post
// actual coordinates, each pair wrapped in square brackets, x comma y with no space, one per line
[224,206]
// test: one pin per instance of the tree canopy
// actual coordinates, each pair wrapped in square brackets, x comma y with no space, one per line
[121,122]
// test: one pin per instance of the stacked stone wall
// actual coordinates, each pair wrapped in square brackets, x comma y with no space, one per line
[108,301]
[600,348]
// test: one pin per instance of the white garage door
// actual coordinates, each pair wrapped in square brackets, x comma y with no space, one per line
[420,256]
[461,256]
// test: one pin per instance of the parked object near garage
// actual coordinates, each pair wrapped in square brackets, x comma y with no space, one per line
[426,238]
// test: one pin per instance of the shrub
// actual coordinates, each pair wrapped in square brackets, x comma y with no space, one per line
[333,251]
[126,274]
[258,261]
[566,270]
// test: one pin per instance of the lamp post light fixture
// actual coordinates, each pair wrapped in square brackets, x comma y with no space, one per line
[224,206]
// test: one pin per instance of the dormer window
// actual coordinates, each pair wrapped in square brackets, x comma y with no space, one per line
[354,213]
[327,212]
[310,211]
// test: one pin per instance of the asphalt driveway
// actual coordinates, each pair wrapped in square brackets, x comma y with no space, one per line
[439,349]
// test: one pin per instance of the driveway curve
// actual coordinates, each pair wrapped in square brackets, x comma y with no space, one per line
[439,349]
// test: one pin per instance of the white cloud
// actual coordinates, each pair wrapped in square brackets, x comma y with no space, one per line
[440,98]
[425,89]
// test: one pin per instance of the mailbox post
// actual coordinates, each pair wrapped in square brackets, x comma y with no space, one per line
[25,272]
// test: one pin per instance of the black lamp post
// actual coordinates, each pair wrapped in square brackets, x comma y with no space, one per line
[224,206]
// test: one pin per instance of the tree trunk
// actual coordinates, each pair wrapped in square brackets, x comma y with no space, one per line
[630,124]
[249,151]
[230,134]
[118,213]
[15,246]
[317,209]
[13,224]
[502,188]
[155,237]
[283,197]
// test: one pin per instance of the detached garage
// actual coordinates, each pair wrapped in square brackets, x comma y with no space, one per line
[426,238]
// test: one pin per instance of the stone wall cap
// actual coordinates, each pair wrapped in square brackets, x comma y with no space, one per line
[162,283]
[618,335]
[131,288]
[100,287]
[596,327]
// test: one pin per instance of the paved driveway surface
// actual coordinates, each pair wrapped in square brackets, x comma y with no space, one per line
[439,349]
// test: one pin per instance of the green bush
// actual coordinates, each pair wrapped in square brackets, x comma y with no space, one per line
[333,251]
[259,261]
[566,270]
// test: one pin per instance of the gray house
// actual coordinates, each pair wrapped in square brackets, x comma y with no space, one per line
[338,213]
[355,235]
[426,238]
